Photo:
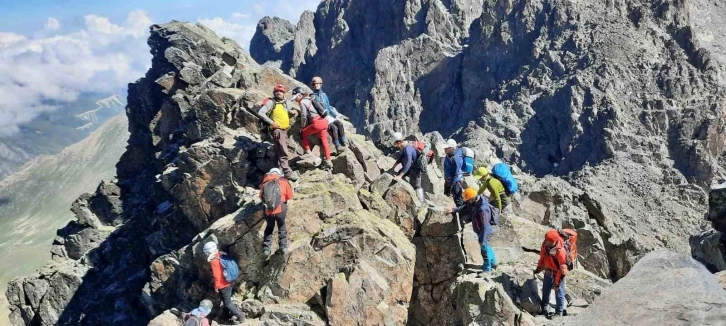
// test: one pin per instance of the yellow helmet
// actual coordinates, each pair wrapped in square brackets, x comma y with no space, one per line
[469,193]
[480,172]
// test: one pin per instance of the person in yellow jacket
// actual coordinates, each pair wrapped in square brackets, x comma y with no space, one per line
[276,114]
[497,193]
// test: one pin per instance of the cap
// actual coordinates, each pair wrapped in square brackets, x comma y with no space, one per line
[397,136]
[480,172]
[210,247]
[450,144]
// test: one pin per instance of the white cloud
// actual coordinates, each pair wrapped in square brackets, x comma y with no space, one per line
[259,9]
[103,57]
[52,24]
[239,32]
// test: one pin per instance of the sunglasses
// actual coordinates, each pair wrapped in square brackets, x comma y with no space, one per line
[317,83]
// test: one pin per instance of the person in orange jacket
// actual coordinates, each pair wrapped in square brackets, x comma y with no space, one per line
[275,198]
[553,260]
[221,285]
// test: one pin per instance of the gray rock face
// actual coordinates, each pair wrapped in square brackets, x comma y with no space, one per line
[273,41]
[664,288]
[631,117]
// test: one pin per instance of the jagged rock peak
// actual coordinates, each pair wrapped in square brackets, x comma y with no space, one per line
[273,41]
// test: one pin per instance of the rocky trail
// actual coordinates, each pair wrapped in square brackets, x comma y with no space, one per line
[363,249]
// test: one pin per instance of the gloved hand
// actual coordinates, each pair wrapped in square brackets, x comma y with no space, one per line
[536,271]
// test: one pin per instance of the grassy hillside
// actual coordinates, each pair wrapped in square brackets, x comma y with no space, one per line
[35,201]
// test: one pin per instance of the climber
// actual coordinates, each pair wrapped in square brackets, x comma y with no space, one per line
[335,126]
[276,113]
[221,284]
[553,260]
[198,316]
[477,210]
[497,194]
[410,166]
[312,124]
[275,192]
[453,173]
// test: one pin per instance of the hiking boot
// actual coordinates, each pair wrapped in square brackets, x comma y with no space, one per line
[266,252]
[283,249]
[236,320]
[292,176]
[338,150]
[328,164]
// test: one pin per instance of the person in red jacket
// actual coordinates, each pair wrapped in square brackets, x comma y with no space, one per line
[312,124]
[553,260]
[220,284]
[278,210]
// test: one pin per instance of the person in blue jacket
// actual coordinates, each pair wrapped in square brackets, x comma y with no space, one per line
[335,126]
[477,210]
[453,173]
[407,158]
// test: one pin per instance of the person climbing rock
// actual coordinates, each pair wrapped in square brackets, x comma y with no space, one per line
[497,193]
[477,210]
[453,173]
[198,316]
[275,192]
[312,124]
[335,126]
[276,113]
[222,283]
[408,159]
[553,261]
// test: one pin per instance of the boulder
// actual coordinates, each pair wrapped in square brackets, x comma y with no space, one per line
[477,301]
[709,248]
[717,207]
[721,278]
[663,288]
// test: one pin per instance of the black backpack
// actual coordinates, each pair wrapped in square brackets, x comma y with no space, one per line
[193,321]
[271,194]
[319,107]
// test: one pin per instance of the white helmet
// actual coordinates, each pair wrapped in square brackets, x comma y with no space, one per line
[210,247]
[275,171]
[397,136]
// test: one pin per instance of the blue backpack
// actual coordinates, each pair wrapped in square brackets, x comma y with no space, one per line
[503,173]
[467,155]
[230,268]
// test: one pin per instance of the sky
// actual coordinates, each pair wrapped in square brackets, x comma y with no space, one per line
[54,51]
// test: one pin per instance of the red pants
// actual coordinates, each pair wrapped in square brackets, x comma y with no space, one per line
[318,127]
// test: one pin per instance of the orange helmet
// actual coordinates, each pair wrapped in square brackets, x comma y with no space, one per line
[469,193]
[316,80]
[279,88]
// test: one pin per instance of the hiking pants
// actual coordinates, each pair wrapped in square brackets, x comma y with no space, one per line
[318,127]
[337,131]
[281,228]
[487,252]
[414,178]
[455,190]
[227,299]
[279,137]
[548,284]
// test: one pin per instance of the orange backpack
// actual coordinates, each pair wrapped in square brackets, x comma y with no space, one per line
[569,237]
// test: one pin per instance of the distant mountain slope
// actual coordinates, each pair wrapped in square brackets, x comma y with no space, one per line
[51,132]
[36,200]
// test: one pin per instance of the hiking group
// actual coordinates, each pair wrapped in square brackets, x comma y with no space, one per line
[480,204]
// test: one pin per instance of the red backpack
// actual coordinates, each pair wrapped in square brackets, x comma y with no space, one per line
[569,237]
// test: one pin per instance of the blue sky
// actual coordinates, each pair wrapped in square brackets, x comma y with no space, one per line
[54,51]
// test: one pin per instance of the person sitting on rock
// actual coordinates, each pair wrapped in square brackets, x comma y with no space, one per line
[453,173]
[553,260]
[476,209]
[198,316]
[312,124]
[276,113]
[275,192]
[408,158]
[497,193]
[221,285]
[335,126]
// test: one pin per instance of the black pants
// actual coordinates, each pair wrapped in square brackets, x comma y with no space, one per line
[281,228]
[414,178]
[455,190]
[227,299]
[337,131]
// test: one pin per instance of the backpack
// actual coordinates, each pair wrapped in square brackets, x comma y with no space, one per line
[503,173]
[272,194]
[569,237]
[230,268]
[319,107]
[493,212]
[495,215]
[193,321]
[425,154]
[468,158]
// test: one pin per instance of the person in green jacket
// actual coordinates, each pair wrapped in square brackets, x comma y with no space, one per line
[497,193]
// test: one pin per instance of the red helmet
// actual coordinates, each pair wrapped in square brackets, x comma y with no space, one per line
[280,88]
